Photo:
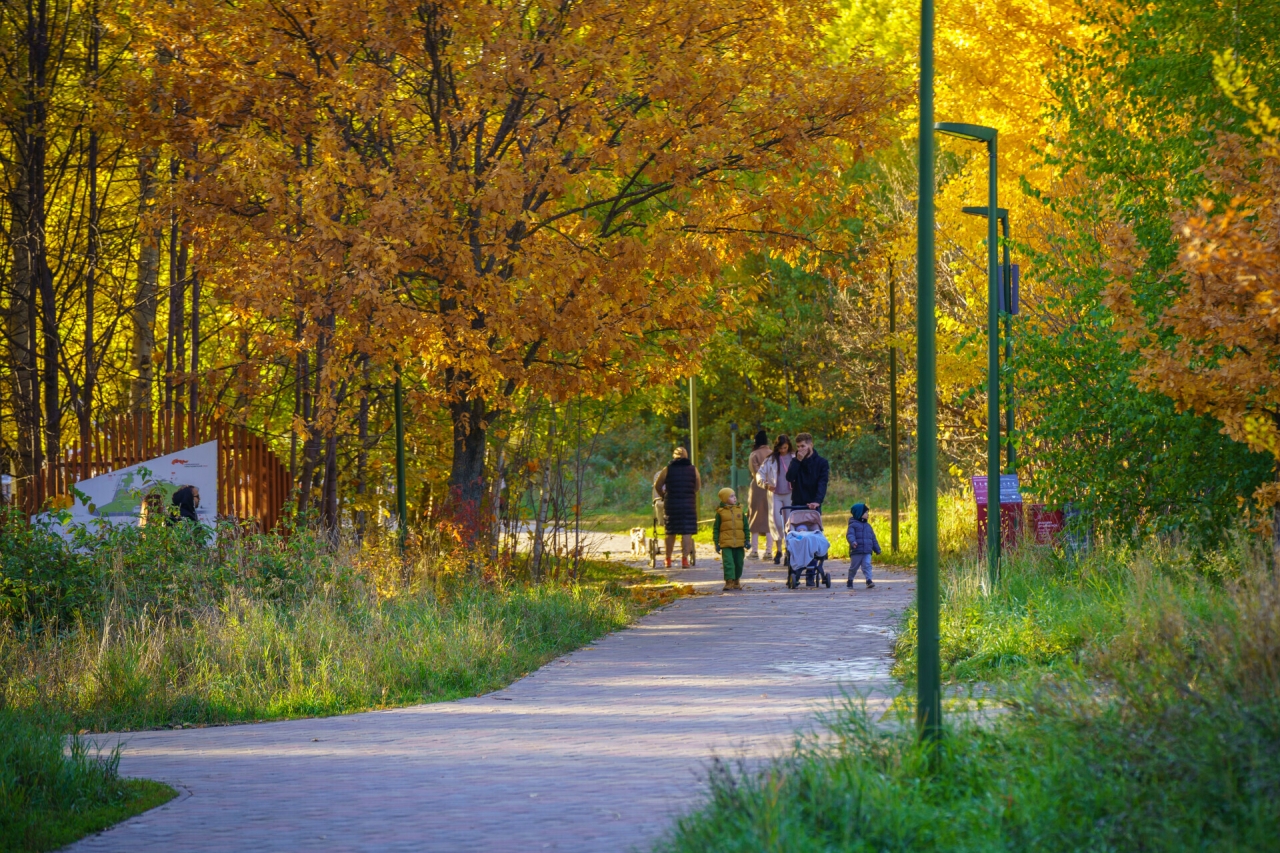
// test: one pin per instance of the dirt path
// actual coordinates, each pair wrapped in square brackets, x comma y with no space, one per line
[596,751]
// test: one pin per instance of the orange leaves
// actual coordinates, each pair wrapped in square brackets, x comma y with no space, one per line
[1216,347]
[508,194]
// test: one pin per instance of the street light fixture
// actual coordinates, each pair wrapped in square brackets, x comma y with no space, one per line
[1006,285]
[979,133]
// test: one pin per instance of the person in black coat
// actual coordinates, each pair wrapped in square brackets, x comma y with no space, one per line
[679,484]
[185,501]
[808,474]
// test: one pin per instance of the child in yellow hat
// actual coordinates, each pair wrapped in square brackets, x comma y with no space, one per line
[730,538]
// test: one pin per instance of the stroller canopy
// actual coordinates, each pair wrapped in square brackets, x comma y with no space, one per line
[804,516]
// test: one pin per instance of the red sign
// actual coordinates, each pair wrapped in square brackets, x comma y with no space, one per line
[1047,524]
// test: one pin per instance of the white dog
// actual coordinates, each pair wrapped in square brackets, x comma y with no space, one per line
[639,542]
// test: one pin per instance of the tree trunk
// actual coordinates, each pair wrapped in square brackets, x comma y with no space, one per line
[31,285]
[145,302]
[84,409]
[539,530]
[20,321]
[193,385]
[466,478]
[329,505]
[362,454]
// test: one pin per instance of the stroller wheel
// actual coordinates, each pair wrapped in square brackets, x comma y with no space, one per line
[826,579]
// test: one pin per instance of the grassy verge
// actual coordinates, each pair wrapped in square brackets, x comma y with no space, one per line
[1143,698]
[145,628]
[50,797]
[240,656]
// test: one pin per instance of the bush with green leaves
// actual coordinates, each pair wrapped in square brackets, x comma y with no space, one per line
[42,581]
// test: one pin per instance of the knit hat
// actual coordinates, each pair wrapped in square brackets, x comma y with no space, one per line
[858,511]
[725,494]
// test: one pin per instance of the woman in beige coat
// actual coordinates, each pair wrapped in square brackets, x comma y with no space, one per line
[761,505]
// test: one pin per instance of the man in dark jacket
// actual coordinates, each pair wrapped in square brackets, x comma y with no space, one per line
[808,474]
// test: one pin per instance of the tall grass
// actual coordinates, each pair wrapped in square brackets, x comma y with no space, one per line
[50,795]
[1049,609]
[168,632]
[1148,719]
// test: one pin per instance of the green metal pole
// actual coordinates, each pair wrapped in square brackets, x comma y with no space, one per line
[693,429]
[402,503]
[993,373]
[928,681]
[1011,459]
[893,416]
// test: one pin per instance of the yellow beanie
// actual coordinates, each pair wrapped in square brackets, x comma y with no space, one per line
[725,494]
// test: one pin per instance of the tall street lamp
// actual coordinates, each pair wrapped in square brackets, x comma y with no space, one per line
[978,133]
[928,660]
[893,413]
[1006,286]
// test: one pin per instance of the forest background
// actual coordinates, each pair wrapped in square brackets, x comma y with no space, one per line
[247,210]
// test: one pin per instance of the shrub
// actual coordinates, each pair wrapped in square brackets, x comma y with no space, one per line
[42,581]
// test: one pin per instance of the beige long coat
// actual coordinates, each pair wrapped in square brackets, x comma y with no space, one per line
[760,509]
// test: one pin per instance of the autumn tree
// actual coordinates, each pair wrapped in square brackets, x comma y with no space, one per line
[505,195]
[1215,347]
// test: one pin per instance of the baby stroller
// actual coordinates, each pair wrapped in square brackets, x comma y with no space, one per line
[809,547]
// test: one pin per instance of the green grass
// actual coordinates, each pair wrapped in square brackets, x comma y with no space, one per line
[1141,691]
[241,657]
[49,796]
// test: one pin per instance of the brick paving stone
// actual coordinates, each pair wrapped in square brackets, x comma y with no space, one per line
[596,751]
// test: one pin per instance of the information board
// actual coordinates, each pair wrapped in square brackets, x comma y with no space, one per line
[116,497]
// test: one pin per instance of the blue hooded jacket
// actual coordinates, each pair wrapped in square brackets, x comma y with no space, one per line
[860,536]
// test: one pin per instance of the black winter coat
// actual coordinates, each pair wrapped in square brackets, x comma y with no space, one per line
[680,508]
[808,478]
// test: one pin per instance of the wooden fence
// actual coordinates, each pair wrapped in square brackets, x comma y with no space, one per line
[253,483]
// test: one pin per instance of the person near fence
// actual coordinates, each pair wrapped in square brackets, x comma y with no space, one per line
[679,484]
[760,503]
[729,535]
[780,492]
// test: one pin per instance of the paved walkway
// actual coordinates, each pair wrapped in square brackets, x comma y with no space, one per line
[596,751]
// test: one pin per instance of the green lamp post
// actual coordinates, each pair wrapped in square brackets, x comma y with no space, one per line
[693,430]
[978,133]
[402,502]
[893,415]
[1006,285]
[928,661]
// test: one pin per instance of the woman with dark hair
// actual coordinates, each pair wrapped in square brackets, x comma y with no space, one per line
[760,503]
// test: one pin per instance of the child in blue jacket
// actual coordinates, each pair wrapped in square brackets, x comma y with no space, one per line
[862,544]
